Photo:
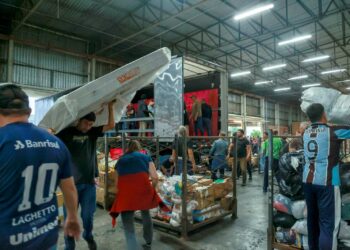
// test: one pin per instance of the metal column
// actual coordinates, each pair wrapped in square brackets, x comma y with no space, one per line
[10,62]
[93,69]
[224,101]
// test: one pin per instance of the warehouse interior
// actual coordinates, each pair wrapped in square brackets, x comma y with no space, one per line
[250,60]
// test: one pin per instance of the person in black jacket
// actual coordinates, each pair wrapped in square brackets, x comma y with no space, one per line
[206,116]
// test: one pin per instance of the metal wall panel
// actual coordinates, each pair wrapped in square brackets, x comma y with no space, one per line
[234,103]
[37,67]
[103,68]
[3,60]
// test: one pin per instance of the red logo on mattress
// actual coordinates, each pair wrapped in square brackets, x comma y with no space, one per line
[129,75]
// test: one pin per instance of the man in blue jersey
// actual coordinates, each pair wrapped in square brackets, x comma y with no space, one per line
[32,164]
[321,178]
[81,142]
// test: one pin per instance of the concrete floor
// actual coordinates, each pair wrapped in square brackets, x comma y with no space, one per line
[248,232]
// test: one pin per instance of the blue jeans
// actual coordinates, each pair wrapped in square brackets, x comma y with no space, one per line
[198,125]
[129,229]
[207,125]
[262,163]
[87,202]
[275,167]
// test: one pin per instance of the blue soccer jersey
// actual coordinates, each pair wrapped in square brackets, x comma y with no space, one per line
[32,162]
[321,150]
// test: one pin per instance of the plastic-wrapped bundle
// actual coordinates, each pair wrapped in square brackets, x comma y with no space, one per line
[345,178]
[336,105]
[283,220]
[300,227]
[291,173]
[282,204]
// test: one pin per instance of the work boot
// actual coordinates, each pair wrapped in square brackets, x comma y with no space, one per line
[92,244]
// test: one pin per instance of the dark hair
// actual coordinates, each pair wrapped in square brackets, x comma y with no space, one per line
[240,130]
[13,101]
[315,112]
[266,133]
[295,143]
[275,132]
[133,146]
[90,117]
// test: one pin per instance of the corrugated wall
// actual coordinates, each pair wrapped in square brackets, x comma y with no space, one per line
[3,60]
[41,68]
[103,68]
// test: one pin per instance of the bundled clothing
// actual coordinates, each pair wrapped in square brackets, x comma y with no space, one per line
[291,174]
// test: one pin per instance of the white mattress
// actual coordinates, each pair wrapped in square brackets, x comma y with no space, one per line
[121,84]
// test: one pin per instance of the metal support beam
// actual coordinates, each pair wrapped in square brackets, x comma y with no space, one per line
[93,68]
[149,28]
[29,14]
[224,101]
[10,62]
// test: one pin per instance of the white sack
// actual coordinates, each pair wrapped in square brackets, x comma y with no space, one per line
[300,227]
[344,231]
[120,84]
[298,209]
[337,106]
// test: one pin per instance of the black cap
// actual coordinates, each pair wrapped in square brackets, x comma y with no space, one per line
[90,117]
[12,97]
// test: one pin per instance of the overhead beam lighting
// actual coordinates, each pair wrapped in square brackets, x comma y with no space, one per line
[317,58]
[263,82]
[298,77]
[295,39]
[332,71]
[242,73]
[311,85]
[281,89]
[348,88]
[277,66]
[253,12]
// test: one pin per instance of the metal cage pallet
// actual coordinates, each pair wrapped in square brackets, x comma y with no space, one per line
[154,145]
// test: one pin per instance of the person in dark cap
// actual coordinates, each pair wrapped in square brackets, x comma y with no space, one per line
[33,163]
[81,142]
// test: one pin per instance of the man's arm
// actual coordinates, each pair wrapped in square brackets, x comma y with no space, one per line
[111,122]
[212,150]
[230,148]
[71,227]
[342,132]
[191,158]
[153,174]
[249,152]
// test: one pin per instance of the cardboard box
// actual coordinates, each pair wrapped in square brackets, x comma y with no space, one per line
[226,202]
[204,203]
[228,184]
[221,189]
[205,182]
[100,195]
[204,192]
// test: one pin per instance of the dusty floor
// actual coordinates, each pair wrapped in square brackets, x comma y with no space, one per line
[248,232]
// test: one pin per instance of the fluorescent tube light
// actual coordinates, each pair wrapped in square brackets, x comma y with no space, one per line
[262,82]
[295,39]
[348,88]
[242,73]
[277,66]
[317,58]
[298,77]
[281,89]
[311,85]
[332,71]
[253,12]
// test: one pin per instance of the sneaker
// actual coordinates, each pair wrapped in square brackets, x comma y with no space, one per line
[147,246]
[92,244]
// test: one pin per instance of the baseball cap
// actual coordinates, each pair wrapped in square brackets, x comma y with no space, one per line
[12,97]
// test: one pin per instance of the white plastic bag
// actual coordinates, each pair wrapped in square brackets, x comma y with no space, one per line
[300,227]
[298,209]
[344,231]
[336,105]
